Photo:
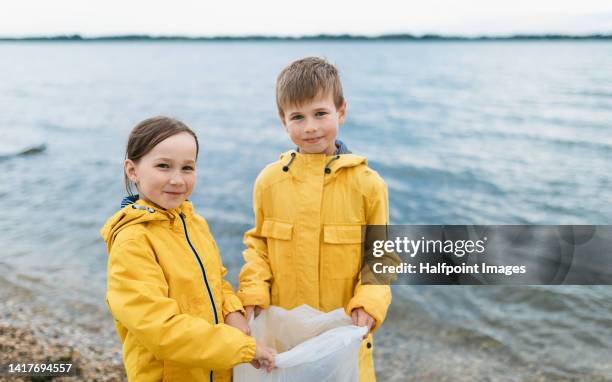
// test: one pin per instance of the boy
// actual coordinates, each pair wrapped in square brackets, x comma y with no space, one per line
[309,207]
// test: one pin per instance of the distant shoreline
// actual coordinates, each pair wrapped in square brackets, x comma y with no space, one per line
[320,37]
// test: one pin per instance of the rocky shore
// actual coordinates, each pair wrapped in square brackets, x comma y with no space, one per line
[30,335]
[404,351]
[24,344]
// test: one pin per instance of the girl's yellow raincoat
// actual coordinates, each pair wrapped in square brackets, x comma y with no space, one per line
[305,247]
[167,293]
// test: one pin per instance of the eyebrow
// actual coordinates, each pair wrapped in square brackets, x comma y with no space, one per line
[314,110]
[170,160]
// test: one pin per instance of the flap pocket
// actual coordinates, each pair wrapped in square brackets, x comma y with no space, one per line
[342,234]
[277,230]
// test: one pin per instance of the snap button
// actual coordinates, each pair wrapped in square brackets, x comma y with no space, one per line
[369,345]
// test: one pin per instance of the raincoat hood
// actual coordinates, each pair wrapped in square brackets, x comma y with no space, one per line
[301,166]
[138,211]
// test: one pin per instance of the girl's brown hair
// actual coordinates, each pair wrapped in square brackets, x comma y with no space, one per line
[147,134]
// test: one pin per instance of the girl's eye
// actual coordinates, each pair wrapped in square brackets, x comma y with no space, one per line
[162,165]
[188,168]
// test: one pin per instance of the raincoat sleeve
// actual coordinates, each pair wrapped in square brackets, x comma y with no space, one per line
[231,302]
[137,295]
[256,274]
[374,299]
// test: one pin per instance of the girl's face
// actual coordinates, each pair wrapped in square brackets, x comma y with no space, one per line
[166,175]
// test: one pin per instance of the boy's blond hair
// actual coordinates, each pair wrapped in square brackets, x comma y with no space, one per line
[304,80]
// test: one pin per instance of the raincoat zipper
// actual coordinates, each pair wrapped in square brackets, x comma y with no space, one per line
[210,296]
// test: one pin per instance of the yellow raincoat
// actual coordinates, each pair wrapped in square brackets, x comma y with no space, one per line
[167,294]
[305,247]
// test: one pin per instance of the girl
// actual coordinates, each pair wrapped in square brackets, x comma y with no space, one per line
[178,319]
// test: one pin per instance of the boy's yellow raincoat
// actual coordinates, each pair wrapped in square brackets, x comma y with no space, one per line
[167,294]
[306,244]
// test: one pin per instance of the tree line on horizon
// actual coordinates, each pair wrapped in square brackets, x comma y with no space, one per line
[319,37]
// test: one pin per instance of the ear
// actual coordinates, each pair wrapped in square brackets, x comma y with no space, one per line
[342,112]
[130,170]
[283,123]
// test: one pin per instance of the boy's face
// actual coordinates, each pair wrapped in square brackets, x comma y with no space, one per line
[313,126]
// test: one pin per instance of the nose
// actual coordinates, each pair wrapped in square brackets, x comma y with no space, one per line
[176,179]
[310,126]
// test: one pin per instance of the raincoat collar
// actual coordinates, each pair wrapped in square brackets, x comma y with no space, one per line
[302,166]
[186,207]
[138,211]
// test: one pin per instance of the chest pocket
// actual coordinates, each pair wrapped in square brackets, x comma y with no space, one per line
[341,251]
[280,246]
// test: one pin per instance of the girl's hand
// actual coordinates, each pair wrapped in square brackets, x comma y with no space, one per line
[250,309]
[264,357]
[361,318]
[237,320]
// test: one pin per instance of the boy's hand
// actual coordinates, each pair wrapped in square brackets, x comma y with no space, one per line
[361,318]
[264,356]
[237,320]
[250,309]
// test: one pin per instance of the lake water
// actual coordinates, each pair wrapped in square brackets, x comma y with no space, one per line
[463,133]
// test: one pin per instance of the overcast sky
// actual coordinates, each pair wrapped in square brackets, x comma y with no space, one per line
[283,17]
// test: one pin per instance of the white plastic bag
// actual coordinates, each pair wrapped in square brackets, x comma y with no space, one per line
[312,346]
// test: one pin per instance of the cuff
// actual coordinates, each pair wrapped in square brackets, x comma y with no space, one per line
[248,352]
[259,297]
[377,308]
[231,304]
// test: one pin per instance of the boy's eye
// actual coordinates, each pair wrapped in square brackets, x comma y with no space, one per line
[321,113]
[297,117]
